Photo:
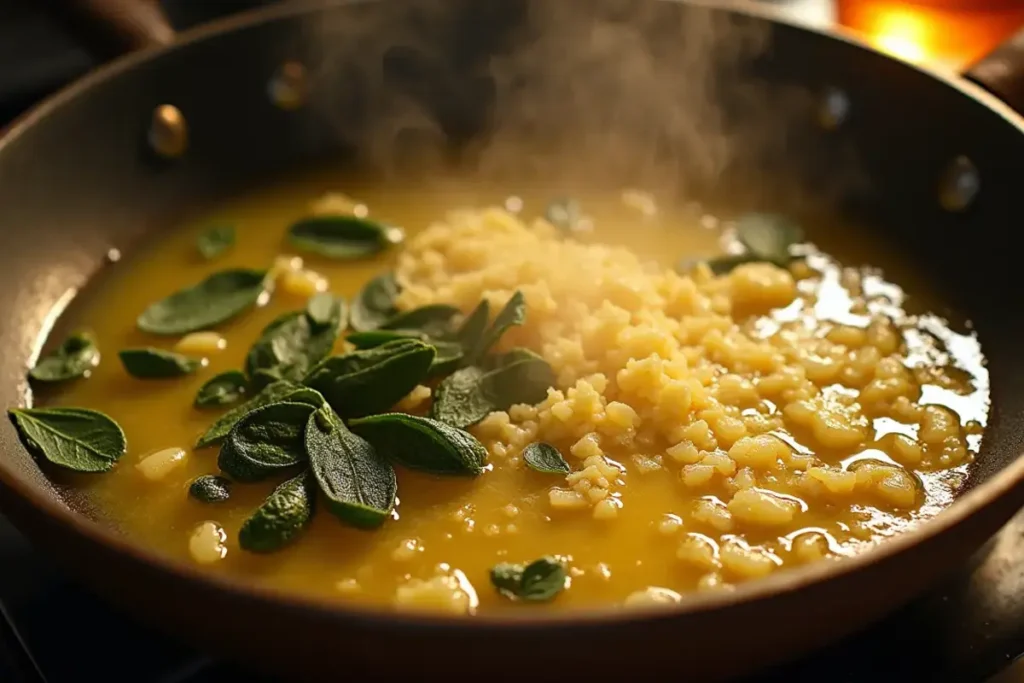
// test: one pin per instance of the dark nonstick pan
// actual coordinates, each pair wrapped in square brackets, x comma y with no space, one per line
[933,164]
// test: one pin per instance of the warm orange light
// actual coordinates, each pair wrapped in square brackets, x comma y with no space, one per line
[903,34]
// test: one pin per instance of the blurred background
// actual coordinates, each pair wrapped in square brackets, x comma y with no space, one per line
[36,57]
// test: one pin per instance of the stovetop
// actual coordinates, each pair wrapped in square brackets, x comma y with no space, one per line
[969,630]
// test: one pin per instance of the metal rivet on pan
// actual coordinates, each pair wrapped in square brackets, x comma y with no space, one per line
[288,87]
[959,184]
[168,132]
[833,108]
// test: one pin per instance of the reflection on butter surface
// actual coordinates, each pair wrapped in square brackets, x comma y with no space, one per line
[719,428]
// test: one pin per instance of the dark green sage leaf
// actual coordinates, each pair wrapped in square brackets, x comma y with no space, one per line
[371,381]
[719,265]
[215,240]
[277,392]
[420,443]
[374,338]
[768,236]
[447,357]
[281,517]
[375,304]
[461,399]
[266,441]
[153,363]
[216,299]
[545,458]
[564,213]
[75,358]
[290,346]
[433,320]
[359,484]
[210,488]
[326,310]
[511,315]
[339,236]
[539,581]
[220,390]
[73,438]
[471,332]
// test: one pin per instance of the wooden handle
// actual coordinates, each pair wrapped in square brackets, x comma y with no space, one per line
[109,28]
[1001,72]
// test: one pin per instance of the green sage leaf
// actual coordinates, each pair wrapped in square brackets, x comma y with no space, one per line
[266,441]
[358,483]
[277,392]
[340,236]
[220,390]
[218,298]
[371,381]
[75,358]
[447,357]
[326,310]
[150,363]
[461,399]
[375,304]
[421,443]
[539,581]
[215,240]
[471,333]
[564,213]
[433,320]
[719,265]
[290,346]
[210,488]
[282,517]
[768,236]
[73,438]
[545,458]
[374,338]
[511,315]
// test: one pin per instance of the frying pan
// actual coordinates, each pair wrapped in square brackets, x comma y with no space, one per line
[930,163]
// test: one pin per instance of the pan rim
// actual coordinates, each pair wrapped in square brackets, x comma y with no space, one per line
[747,594]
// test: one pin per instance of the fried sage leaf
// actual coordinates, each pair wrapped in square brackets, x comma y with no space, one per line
[768,236]
[421,443]
[210,488]
[342,237]
[511,315]
[375,304]
[433,320]
[471,333]
[282,391]
[221,390]
[539,581]
[71,360]
[283,515]
[266,441]
[545,458]
[467,396]
[73,438]
[290,346]
[373,338]
[216,299]
[150,363]
[358,483]
[215,240]
[371,381]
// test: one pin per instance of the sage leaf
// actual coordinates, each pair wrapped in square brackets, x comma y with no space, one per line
[220,390]
[277,392]
[326,310]
[539,581]
[266,441]
[150,363]
[339,236]
[358,483]
[375,304]
[371,381]
[512,314]
[461,399]
[282,517]
[545,458]
[218,298]
[73,438]
[564,213]
[210,488]
[719,265]
[447,357]
[75,358]
[768,236]
[374,338]
[215,240]
[290,346]
[471,333]
[433,320]
[421,443]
